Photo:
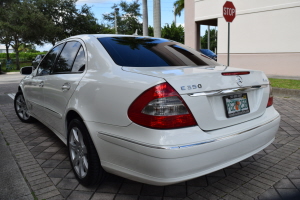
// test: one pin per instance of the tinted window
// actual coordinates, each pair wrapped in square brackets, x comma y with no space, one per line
[152,52]
[79,63]
[66,58]
[48,62]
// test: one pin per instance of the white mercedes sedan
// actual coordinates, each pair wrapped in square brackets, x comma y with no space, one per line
[147,109]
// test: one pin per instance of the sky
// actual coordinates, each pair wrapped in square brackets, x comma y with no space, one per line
[100,7]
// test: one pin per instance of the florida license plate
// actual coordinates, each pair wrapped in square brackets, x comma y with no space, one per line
[236,104]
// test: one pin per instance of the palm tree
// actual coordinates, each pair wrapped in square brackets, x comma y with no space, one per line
[179,6]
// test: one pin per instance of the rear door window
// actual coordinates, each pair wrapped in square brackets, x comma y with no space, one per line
[79,63]
[66,58]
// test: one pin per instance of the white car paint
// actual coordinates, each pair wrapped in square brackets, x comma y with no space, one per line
[102,94]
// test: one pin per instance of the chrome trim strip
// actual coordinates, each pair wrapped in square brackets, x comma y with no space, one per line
[228,91]
[189,145]
[52,111]
[134,142]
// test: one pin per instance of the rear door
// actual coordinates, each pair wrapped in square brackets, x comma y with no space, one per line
[61,84]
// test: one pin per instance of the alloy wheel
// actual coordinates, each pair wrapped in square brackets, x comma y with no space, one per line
[78,153]
[21,107]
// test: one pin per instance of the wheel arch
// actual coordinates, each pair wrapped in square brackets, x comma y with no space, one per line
[72,114]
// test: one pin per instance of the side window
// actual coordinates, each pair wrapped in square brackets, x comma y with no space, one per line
[48,63]
[79,64]
[66,58]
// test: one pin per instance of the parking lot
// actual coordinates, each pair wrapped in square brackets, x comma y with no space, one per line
[273,173]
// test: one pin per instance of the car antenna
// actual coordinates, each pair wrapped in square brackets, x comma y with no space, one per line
[136,32]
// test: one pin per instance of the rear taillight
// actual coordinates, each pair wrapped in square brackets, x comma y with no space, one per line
[270,101]
[161,107]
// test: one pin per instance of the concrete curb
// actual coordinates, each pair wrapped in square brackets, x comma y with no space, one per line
[283,92]
[9,73]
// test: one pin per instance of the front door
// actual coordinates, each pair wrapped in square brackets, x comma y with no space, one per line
[35,88]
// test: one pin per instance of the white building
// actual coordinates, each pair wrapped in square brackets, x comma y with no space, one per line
[264,34]
[3,49]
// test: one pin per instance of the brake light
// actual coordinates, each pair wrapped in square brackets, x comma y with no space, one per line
[161,107]
[234,73]
[270,101]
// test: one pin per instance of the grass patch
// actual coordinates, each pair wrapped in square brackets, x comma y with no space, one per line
[14,67]
[285,83]
[34,196]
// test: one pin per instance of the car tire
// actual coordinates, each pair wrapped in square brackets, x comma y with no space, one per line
[21,108]
[83,155]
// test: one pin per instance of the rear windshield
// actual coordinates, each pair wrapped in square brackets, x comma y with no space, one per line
[152,52]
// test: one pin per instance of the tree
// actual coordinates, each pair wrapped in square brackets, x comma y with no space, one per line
[127,17]
[5,37]
[27,48]
[105,29]
[179,6]
[151,31]
[67,19]
[213,40]
[25,24]
[173,32]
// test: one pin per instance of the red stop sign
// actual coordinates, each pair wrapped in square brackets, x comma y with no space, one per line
[229,11]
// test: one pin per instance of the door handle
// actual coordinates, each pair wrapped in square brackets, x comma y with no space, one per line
[41,84]
[66,87]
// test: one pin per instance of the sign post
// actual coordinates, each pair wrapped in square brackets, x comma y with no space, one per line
[229,15]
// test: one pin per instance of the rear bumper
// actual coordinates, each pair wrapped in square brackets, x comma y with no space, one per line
[169,164]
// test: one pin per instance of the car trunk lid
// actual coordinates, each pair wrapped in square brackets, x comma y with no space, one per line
[212,96]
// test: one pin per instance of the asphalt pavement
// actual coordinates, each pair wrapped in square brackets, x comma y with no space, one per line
[34,164]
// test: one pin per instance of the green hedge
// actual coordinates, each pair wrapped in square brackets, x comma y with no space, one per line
[22,56]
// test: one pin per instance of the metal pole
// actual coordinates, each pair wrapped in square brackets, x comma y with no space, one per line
[208,37]
[157,18]
[145,18]
[116,24]
[228,43]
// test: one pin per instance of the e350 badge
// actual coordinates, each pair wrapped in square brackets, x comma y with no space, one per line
[191,87]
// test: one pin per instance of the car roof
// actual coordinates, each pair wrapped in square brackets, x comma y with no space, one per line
[87,36]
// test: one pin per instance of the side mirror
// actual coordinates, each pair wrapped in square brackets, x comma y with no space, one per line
[26,70]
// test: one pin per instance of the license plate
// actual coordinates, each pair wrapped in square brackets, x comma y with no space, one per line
[236,105]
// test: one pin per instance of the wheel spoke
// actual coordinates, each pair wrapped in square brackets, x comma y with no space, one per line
[85,164]
[75,160]
[80,139]
[73,146]
[20,110]
[75,135]
[81,167]
[19,103]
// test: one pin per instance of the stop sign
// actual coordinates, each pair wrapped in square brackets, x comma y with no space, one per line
[229,11]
